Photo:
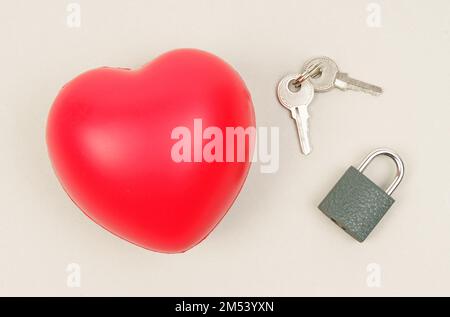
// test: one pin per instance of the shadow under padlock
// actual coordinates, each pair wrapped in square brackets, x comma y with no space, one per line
[356,203]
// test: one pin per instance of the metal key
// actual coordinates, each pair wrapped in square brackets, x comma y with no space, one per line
[328,76]
[297,101]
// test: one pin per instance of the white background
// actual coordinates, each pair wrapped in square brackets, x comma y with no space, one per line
[274,240]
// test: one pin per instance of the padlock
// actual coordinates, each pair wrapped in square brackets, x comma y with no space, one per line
[355,203]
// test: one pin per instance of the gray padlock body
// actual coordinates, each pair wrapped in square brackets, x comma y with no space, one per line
[356,204]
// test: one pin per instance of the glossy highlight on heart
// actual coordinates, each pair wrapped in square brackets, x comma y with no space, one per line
[109,138]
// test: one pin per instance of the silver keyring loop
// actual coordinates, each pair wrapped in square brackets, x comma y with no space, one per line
[398,161]
[307,73]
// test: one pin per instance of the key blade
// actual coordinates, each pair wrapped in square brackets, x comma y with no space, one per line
[344,82]
[300,115]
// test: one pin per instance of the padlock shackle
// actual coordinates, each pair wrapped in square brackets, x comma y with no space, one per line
[398,161]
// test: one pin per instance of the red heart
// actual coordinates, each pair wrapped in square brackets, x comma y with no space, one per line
[109,140]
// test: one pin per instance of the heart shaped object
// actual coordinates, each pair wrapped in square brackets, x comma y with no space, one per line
[110,141]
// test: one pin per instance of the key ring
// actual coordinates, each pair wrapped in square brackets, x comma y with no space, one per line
[310,71]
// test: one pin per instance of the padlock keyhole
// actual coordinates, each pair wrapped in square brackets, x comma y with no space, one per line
[338,224]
